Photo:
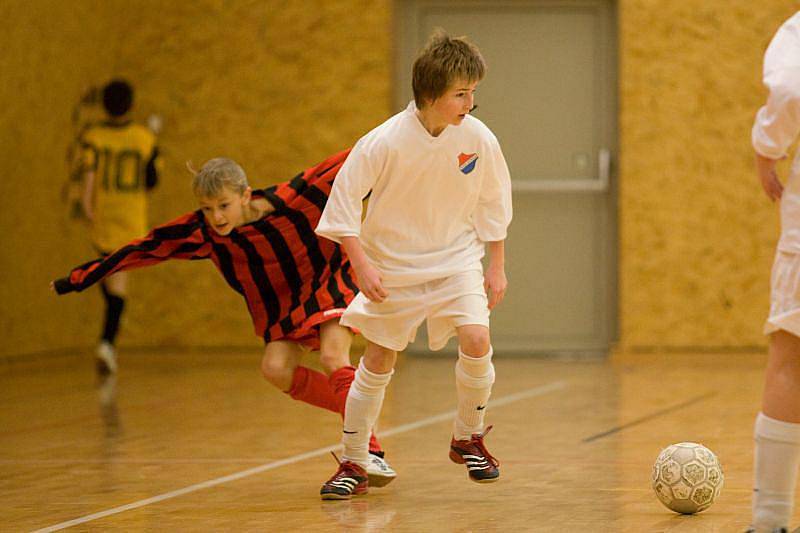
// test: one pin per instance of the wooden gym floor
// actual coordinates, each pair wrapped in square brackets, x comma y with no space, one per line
[199,442]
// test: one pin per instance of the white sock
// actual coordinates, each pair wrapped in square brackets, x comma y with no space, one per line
[777,456]
[474,378]
[364,400]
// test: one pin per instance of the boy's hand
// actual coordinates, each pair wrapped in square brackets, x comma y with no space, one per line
[369,282]
[495,283]
[769,177]
[53,286]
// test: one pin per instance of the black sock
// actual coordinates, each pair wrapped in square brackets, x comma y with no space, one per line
[114,307]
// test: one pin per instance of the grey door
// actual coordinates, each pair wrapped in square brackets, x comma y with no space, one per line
[549,96]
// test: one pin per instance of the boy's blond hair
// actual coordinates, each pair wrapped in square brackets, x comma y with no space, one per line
[444,61]
[217,174]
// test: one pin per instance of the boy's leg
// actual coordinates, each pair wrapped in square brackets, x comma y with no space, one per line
[335,342]
[777,436]
[334,355]
[280,366]
[364,402]
[474,379]
[114,289]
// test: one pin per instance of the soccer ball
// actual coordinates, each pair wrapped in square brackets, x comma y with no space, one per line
[687,477]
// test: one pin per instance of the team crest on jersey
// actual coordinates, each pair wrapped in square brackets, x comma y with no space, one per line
[466,162]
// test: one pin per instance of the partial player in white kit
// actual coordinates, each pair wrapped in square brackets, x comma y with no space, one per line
[777,427]
[440,193]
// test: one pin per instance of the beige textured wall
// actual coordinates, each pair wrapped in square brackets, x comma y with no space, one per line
[697,234]
[277,85]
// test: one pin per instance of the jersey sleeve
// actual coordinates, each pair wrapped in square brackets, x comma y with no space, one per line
[309,184]
[493,212]
[342,214]
[180,239]
[777,123]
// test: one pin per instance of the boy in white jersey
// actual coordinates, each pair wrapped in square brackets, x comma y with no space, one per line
[440,192]
[777,428]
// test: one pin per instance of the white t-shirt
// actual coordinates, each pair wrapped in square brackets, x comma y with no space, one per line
[777,123]
[435,200]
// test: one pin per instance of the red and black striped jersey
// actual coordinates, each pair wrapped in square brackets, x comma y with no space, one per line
[285,272]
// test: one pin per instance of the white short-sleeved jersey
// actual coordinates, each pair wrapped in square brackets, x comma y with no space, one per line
[434,201]
[777,123]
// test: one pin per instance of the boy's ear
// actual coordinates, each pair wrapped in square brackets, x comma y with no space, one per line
[427,102]
[247,195]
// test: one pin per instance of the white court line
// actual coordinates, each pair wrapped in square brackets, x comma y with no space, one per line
[504,400]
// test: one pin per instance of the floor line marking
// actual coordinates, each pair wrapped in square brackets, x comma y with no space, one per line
[504,400]
[651,416]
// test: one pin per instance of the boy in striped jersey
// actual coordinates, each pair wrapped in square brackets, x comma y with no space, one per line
[296,285]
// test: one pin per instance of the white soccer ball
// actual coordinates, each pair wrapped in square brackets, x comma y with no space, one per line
[687,477]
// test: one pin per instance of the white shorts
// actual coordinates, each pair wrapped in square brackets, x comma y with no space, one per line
[784,311]
[447,303]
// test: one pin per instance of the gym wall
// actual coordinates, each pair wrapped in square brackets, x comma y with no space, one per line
[280,85]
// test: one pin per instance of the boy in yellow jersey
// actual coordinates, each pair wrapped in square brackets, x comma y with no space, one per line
[120,161]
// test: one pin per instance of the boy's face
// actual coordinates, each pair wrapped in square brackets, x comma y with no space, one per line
[226,210]
[454,104]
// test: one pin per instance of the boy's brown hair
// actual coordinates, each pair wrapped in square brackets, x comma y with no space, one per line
[444,61]
[217,174]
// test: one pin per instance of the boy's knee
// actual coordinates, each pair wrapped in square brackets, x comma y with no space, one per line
[335,342]
[379,359]
[334,359]
[275,369]
[475,341]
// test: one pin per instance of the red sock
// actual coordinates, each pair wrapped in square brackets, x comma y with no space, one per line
[340,381]
[313,388]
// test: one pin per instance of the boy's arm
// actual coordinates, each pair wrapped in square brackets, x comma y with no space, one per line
[368,277]
[87,196]
[314,183]
[180,239]
[777,123]
[494,281]
[765,168]
[358,175]
[493,212]
[341,218]
[776,127]
[491,219]
[88,166]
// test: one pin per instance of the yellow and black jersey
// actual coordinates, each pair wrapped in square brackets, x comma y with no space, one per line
[124,159]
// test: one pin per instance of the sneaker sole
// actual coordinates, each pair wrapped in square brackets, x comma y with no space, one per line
[487,480]
[376,480]
[334,496]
